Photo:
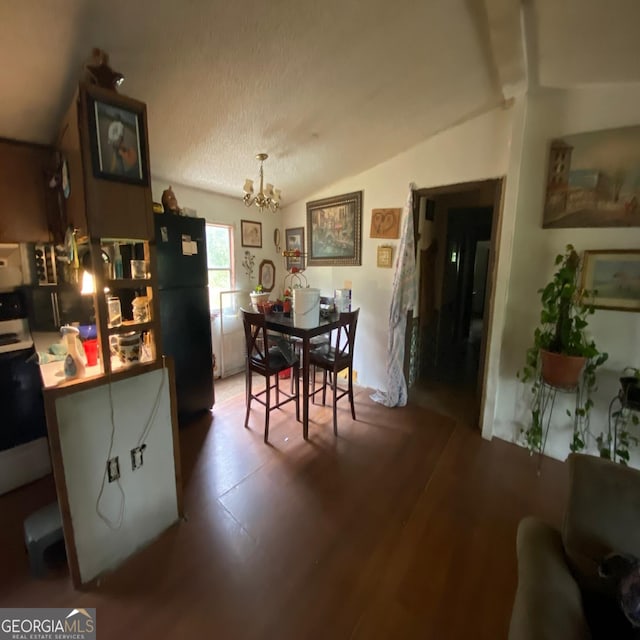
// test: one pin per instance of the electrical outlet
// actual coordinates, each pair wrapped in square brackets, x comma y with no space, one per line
[113,469]
[136,457]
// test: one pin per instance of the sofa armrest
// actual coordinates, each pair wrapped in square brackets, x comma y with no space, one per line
[548,602]
[602,515]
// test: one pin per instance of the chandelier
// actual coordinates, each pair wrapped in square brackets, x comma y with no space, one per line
[267,197]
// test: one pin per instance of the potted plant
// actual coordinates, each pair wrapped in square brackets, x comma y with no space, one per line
[259,298]
[562,355]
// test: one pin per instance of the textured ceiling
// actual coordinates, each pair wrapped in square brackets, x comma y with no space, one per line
[328,88]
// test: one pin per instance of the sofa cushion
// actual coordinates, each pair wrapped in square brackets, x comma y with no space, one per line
[602,516]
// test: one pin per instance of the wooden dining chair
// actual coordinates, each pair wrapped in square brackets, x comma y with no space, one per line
[332,359]
[268,360]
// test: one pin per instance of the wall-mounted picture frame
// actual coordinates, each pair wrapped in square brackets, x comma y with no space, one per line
[615,276]
[592,180]
[267,275]
[385,223]
[334,226]
[294,241]
[117,135]
[385,256]
[251,234]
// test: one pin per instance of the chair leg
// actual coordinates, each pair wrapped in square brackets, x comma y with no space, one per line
[324,386]
[297,386]
[277,389]
[353,409]
[313,386]
[248,400]
[267,408]
[334,387]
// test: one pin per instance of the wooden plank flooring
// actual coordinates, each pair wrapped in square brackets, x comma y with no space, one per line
[402,527]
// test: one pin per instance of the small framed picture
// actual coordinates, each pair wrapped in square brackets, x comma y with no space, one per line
[117,133]
[267,275]
[615,276]
[251,234]
[385,223]
[294,239]
[385,256]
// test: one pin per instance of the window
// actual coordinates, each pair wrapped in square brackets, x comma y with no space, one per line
[219,261]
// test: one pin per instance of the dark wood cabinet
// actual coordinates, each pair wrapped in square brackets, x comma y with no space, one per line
[24,197]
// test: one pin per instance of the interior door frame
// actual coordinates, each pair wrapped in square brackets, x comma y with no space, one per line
[498,186]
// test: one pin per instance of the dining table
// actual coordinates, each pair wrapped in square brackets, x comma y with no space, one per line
[285,324]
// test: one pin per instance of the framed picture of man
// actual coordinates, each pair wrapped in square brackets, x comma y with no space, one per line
[117,130]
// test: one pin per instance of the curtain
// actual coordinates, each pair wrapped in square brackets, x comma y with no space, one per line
[403,298]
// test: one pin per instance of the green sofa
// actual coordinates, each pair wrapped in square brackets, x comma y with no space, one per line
[560,594]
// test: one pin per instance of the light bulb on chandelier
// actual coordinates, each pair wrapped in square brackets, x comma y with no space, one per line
[267,197]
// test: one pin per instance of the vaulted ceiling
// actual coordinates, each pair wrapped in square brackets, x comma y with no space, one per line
[327,89]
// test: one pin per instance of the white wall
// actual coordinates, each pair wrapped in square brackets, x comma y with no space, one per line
[475,150]
[549,114]
[150,502]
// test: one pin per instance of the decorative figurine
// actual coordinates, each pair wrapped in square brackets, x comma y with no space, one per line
[170,202]
[97,71]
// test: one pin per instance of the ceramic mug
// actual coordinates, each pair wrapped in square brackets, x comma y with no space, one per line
[129,347]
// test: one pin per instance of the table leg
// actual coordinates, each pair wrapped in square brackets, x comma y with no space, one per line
[305,388]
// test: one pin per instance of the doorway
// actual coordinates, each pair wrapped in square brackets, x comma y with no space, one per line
[456,238]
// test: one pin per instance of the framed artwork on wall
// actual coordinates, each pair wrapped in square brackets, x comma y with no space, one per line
[294,240]
[334,226]
[592,180]
[118,147]
[385,256]
[385,223]
[267,275]
[615,276]
[251,234]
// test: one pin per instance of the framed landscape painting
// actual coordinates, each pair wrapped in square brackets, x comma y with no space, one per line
[593,180]
[334,226]
[615,275]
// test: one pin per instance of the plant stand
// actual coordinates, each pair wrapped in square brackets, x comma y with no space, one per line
[546,402]
[622,412]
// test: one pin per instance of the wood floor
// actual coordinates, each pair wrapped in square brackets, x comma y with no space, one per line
[402,527]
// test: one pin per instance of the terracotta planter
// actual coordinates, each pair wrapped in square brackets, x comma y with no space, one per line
[560,370]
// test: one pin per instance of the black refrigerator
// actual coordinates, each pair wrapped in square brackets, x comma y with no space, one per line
[185,318]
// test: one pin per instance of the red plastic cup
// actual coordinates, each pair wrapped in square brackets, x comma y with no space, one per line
[91,351]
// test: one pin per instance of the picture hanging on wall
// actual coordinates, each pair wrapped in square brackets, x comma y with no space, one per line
[251,234]
[593,180]
[615,277]
[334,226]
[295,242]
[385,223]
[117,129]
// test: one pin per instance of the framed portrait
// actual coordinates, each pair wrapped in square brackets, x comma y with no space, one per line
[385,223]
[117,139]
[615,276]
[294,241]
[334,226]
[251,234]
[385,256]
[267,275]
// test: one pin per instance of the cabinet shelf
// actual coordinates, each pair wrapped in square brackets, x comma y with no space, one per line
[129,325]
[129,283]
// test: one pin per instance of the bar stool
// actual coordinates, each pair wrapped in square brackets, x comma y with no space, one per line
[267,360]
[333,359]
